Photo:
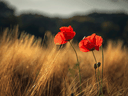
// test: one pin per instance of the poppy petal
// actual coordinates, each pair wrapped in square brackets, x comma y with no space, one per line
[82,47]
[63,28]
[99,40]
[66,29]
[85,46]
[69,35]
[97,48]
[91,38]
[60,38]
[70,28]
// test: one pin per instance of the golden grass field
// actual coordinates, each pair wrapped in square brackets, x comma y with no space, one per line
[29,69]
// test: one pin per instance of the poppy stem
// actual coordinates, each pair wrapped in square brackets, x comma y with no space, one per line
[94,58]
[102,68]
[102,62]
[96,80]
[78,65]
[98,75]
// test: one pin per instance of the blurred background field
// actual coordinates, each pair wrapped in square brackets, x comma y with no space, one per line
[32,65]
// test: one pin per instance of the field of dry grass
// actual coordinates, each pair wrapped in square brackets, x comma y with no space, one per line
[29,69]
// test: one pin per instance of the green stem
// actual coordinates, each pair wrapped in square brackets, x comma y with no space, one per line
[98,68]
[102,62]
[102,68]
[78,66]
[94,58]
[96,80]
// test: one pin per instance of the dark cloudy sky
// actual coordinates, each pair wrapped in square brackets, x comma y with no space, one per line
[66,8]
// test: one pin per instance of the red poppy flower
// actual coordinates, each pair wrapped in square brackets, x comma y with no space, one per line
[90,43]
[65,35]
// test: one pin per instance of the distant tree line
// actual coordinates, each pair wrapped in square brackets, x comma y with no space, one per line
[109,26]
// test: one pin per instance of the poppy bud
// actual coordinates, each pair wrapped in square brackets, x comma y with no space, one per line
[72,94]
[95,66]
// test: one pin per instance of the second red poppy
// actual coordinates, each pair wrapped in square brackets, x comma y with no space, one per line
[90,43]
